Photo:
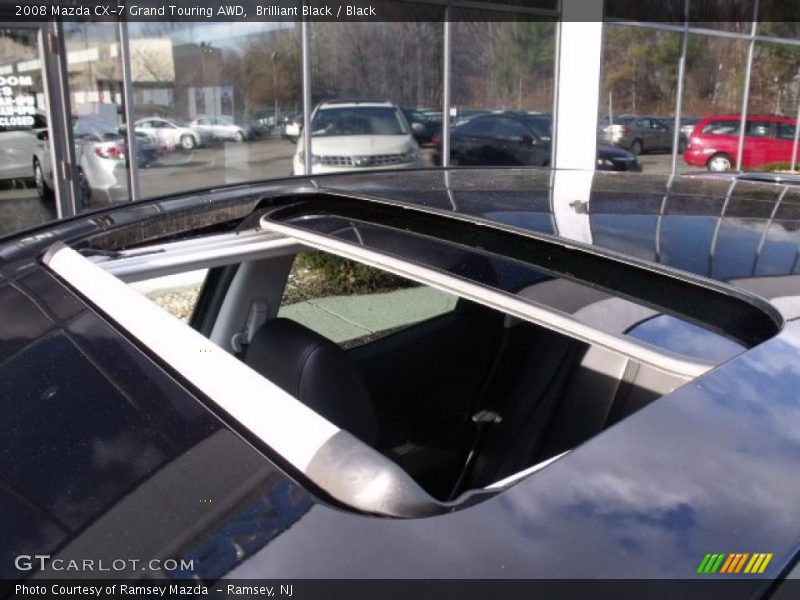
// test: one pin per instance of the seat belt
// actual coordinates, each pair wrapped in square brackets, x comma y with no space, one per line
[256,317]
[531,436]
[487,416]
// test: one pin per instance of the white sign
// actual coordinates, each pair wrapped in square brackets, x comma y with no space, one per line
[16,109]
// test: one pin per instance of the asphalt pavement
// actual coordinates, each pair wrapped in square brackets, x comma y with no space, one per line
[221,164]
[661,164]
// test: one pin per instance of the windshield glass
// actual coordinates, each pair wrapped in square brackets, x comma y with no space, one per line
[358,120]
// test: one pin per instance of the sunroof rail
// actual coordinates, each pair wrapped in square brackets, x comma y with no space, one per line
[209,251]
[507,303]
[711,304]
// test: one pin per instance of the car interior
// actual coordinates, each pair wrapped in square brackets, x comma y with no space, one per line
[459,395]
[459,400]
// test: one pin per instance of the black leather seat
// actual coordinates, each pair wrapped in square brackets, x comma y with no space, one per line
[317,372]
[527,387]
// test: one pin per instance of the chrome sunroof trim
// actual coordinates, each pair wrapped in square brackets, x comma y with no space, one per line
[252,400]
[185,255]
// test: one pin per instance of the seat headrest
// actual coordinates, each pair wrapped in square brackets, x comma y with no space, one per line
[315,371]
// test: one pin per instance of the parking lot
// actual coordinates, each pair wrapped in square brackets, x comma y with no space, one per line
[221,164]
[271,158]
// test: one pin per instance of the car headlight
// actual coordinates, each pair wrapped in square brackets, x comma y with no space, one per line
[412,153]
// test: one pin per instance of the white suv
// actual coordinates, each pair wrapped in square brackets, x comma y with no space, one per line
[358,135]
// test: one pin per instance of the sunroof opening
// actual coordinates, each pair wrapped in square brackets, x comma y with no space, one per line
[461,396]
[405,375]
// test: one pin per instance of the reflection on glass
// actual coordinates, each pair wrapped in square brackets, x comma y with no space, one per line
[360,135]
[712,102]
[95,89]
[663,11]
[377,90]
[726,15]
[777,27]
[503,79]
[23,122]
[347,120]
[685,338]
[213,102]
[638,93]
[773,109]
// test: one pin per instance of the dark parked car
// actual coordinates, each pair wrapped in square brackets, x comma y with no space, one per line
[495,389]
[518,139]
[636,133]
[499,139]
[687,126]
[424,124]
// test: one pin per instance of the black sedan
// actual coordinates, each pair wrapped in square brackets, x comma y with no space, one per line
[519,139]
[432,374]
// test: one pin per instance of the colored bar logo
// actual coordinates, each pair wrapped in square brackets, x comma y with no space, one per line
[734,563]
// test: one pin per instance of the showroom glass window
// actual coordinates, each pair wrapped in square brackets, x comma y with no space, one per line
[218,103]
[23,117]
[502,67]
[96,98]
[376,91]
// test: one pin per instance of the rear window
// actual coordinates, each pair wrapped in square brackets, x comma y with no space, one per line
[542,126]
[478,126]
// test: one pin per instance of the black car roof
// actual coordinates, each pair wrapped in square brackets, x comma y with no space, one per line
[490,193]
[707,468]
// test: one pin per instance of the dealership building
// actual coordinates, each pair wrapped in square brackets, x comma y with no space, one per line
[203,103]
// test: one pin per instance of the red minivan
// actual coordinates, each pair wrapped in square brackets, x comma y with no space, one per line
[715,140]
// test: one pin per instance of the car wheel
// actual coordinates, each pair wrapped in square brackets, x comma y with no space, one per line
[720,163]
[188,142]
[682,146]
[636,147]
[238,137]
[42,189]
